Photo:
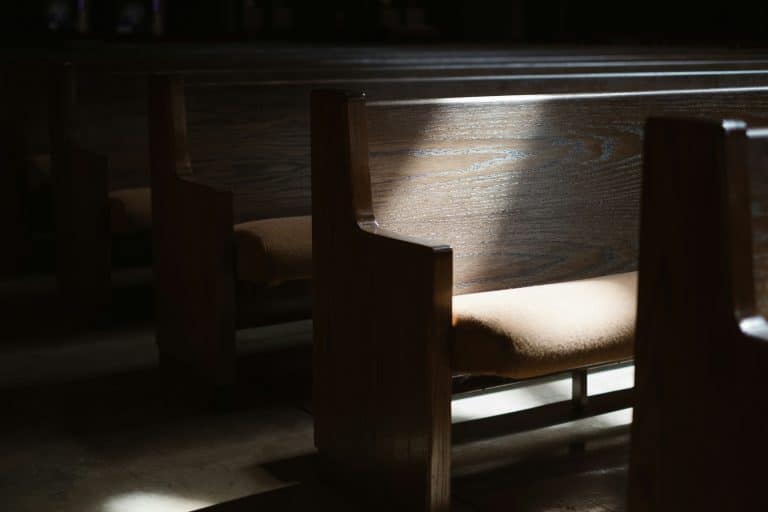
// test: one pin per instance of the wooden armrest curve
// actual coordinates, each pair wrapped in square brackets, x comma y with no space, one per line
[378,234]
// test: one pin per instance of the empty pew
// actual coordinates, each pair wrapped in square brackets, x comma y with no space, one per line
[701,415]
[481,236]
[251,140]
[95,226]
[214,275]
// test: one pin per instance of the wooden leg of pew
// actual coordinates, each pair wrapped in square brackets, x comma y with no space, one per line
[194,291]
[579,394]
[579,402]
[82,235]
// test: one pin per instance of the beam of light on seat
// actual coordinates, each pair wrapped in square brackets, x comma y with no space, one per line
[152,502]
[536,394]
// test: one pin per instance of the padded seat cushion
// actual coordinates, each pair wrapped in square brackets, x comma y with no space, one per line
[273,251]
[538,330]
[130,211]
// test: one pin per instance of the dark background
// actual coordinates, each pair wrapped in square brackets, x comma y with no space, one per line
[407,21]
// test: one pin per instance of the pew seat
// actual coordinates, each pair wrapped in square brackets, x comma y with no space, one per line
[274,251]
[130,211]
[538,330]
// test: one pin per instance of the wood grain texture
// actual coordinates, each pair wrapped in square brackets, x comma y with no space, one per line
[698,435]
[527,190]
[389,434]
[263,114]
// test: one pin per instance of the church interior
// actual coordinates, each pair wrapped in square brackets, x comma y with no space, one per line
[417,255]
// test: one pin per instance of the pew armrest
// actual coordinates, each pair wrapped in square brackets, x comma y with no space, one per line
[405,244]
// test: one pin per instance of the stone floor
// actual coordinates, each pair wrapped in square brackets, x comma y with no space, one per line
[86,427]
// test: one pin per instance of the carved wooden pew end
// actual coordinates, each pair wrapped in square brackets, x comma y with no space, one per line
[96,229]
[212,275]
[701,414]
[387,316]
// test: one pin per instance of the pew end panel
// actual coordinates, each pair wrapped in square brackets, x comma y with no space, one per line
[83,242]
[699,420]
[195,289]
[388,431]
[194,263]
[81,199]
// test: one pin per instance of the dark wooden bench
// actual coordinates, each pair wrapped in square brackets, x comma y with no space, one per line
[509,193]
[225,106]
[252,138]
[212,273]
[95,226]
[701,417]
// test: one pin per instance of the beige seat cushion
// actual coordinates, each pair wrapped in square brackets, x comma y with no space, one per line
[130,210]
[272,251]
[534,331]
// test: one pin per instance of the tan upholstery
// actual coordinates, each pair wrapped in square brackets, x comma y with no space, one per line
[528,332]
[130,210]
[272,251]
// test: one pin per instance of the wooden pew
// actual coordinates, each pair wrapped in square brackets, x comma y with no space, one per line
[94,225]
[419,207]
[701,417]
[287,136]
[252,138]
[214,275]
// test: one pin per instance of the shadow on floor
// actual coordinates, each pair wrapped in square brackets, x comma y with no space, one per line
[34,312]
[588,481]
[299,497]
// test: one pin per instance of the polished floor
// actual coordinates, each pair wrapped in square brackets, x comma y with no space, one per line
[87,427]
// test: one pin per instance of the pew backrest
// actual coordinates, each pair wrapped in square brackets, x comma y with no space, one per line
[249,129]
[527,189]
